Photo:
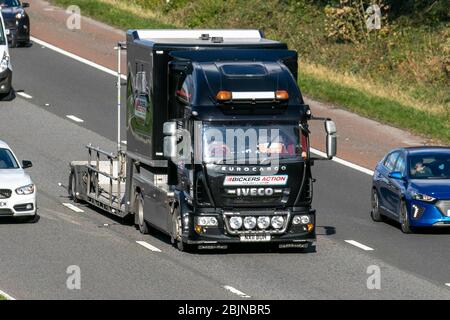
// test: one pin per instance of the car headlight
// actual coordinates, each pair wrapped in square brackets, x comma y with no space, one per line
[29,189]
[422,197]
[4,63]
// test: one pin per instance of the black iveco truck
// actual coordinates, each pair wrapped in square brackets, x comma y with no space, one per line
[217,142]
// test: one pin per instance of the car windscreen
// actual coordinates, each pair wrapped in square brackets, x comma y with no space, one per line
[9,3]
[250,143]
[7,160]
[429,166]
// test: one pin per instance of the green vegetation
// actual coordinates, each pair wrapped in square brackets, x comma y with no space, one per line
[399,74]
[2,297]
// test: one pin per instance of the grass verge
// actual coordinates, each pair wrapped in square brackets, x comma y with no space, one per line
[384,105]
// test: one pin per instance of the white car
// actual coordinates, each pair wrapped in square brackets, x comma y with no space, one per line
[6,90]
[17,191]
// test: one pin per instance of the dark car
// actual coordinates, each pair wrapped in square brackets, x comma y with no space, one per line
[17,22]
[412,186]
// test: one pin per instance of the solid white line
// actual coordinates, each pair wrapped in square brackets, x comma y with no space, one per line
[359,245]
[23,94]
[344,162]
[75,57]
[114,73]
[448,284]
[7,296]
[76,119]
[148,246]
[72,207]
[236,291]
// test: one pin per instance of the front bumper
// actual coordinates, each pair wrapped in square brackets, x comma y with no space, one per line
[424,214]
[290,236]
[18,205]
[5,81]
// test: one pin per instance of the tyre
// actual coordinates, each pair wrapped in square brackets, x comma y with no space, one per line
[32,219]
[175,236]
[404,219]
[72,190]
[375,212]
[9,96]
[13,42]
[139,214]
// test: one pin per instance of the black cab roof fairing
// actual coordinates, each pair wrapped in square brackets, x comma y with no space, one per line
[241,71]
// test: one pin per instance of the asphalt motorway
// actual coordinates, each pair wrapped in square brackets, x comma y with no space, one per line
[35,257]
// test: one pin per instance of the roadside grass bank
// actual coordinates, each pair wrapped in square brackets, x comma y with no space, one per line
[398,77]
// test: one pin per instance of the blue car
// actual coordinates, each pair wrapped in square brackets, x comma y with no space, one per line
[412,186]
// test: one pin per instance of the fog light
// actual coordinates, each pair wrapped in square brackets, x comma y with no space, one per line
[206,221]
[29,206]
[277,222]
[263,222]
[249,223]
[235,223]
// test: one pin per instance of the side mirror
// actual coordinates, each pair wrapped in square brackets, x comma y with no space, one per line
[330,128]
[170,147]
[396,175]
[25,5]
[170,128]
[26,164]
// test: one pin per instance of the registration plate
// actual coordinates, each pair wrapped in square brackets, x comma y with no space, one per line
[255,237]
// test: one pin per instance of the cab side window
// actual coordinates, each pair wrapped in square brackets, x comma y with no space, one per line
[390,160]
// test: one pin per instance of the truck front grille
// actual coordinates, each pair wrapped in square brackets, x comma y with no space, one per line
[5,193]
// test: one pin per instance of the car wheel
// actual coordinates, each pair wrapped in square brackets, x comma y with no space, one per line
[139,214]
[175,236]
[9,96]
[404,219]
[375,212]
[32,219]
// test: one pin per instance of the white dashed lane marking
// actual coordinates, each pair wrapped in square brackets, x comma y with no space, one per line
[72,207]
[148,246]
[236,291]
[24,95]
[73,118]
[359,245]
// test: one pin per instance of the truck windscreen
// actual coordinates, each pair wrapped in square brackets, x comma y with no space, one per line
[250,143]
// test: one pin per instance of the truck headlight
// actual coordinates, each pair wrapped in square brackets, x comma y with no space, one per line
[206,221]
[235,223]
[263,222]
[422,197]
[20,15]
[29,189]
[249,223]
[277,222]
[301,220]
[4,63]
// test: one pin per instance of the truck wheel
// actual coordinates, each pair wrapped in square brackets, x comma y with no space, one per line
[139,214]
[72,190]
[404,220]
[175,237]
[375,212]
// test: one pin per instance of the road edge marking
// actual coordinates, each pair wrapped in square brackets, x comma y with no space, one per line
[359,245]
[344,162]
[76,57]
[72,207]
[6,296]
[148,246]
[236,291]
